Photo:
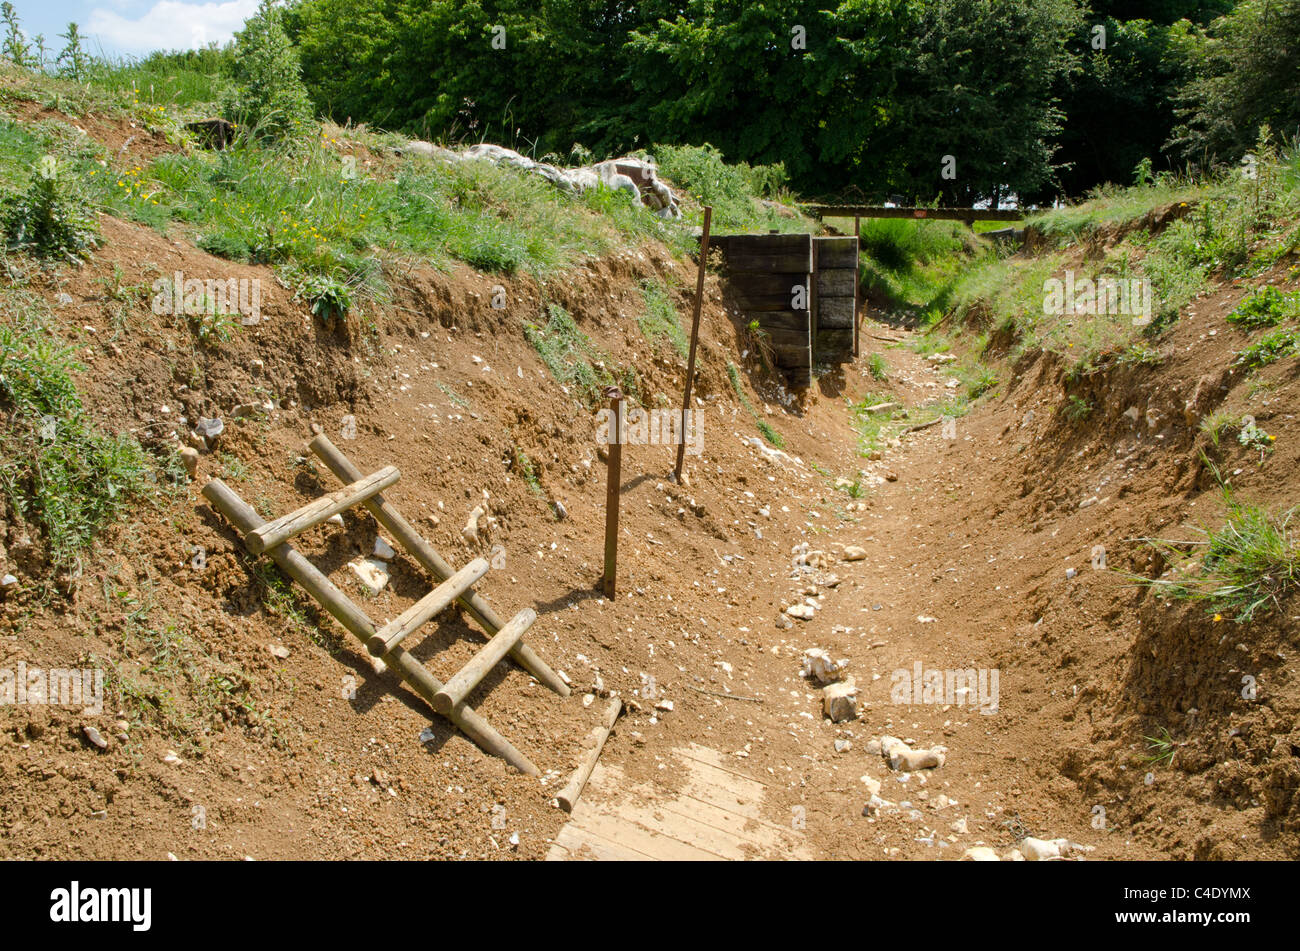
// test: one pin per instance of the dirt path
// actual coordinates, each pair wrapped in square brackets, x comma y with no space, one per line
[926,593]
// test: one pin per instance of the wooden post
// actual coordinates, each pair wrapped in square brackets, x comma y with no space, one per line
[468,677]
[313,513]
[424,553]
[578,780]
[857,321]
[435,602]
[695,340]
[613,490]
[300,569]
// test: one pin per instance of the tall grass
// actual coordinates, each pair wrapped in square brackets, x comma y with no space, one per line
[59,470]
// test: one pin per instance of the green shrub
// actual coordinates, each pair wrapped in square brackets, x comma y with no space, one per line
[51,219]
[59,470]
[268,94]
[1266,307]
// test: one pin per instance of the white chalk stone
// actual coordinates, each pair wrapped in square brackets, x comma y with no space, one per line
[980,853]
[840,701]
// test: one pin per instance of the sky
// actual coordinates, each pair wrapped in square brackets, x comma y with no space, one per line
[135,27]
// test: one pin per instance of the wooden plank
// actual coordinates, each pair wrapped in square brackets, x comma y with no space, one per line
[784,320]
[787,262]
[676,827]
[765,243]
[768,302]
[836,282]
[781,338]
[574,840]
[835,312]
[588,820]
[402,530]
[313,513]
[468,677]
[435,602]
[947,214]
[767,284]
[835,345]
[835,253]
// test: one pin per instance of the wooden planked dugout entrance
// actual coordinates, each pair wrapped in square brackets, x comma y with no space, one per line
[801,290]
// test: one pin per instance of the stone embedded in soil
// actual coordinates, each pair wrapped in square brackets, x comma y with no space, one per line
[190,460]
[94,737]
[383,551]
[818,666]
[278,651]
[905,759]
[1045,850]
[840,701]
[372,573]
[210,428]
[8,584]
[803,612]
[980,853]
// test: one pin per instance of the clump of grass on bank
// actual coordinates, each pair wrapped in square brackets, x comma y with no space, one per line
[59,470]
[735,192]
[765,428]
[1242,570]
[661,320]
[574,361]
[1233,227]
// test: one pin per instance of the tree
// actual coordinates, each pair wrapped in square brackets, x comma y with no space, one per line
[979,105]
[268,94]
[1246,75]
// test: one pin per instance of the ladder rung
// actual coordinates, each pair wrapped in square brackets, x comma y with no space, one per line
[280,530]
[458,688]
[392,633]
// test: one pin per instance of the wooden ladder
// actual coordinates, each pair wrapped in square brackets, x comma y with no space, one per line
[505,637]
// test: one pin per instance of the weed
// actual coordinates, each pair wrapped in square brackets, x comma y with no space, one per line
[1244,568]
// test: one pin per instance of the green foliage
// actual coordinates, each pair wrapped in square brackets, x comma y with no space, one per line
[660,320]
[1266,307]
[1270,348]
[878,367]
[16,48]
[570,355]
[1243,569]
[52,218]
[732,190]
[1076,409]
[60,472]
[1246,76]
[73,62]
[268,94]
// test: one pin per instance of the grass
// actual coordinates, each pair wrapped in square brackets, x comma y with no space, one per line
[1232,227]
[878,367]
[913,265]
[574,361]
[1266,307]
[58,468]
[1241,570]
[765,429]
[735,192]
[660,320]
[524,466]
[1270,348]
[1160,749]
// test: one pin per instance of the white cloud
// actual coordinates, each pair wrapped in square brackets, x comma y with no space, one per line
[171,24]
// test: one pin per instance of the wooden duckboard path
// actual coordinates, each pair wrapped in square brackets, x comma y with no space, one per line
[716,816]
